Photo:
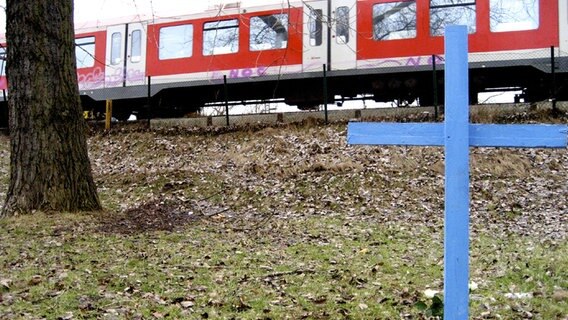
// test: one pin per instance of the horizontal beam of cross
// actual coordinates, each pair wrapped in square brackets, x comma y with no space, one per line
[480,135]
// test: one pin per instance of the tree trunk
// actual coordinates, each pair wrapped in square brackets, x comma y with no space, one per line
[49,164]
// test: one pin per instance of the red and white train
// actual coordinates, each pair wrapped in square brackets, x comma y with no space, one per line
[379,48]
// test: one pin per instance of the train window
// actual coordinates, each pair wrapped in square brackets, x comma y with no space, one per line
[269,32]
[136,46]
[2,61]
[116,48]
[514,15]
[342,25]
[85,52]
[315,25]
[176,42]
[221,37]
[394,20]
[448,12]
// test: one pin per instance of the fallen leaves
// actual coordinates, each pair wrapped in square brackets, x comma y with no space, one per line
[5,284]
[35,280]
[560,295]
[519,295]
[288,222]
[187,304]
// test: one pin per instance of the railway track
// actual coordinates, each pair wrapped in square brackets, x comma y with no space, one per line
[403,114]
[480,113]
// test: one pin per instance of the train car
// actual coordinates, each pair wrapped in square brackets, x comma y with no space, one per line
[384,49]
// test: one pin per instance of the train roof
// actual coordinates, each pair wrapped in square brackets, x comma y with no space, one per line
[220,9]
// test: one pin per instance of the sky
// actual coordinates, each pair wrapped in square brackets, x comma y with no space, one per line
[100,10]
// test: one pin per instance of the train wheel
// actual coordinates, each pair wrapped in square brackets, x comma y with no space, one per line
[308,107]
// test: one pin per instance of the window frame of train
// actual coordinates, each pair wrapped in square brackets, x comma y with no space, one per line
[265,37]
[219,29]
[512,23]
[176,42]
[136,46]
[342,24]
[452,7]
[85,52]
[315,25]
[394,19]
[116,48]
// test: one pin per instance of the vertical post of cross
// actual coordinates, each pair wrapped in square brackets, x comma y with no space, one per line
[456,138]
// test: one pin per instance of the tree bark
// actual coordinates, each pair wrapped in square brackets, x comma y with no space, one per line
[49,164]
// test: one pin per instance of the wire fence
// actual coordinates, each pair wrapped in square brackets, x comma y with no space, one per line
[522,76]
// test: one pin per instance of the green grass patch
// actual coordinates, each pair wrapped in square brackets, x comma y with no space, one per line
[325,267]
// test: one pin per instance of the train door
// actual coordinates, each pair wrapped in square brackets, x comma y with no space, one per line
[315,36]
[136,54]
[115,50]
[343,41]
[126,55]
[563,15]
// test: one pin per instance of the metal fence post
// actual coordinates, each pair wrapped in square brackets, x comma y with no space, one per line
[226,99]
[435,86]
[149,101]
[7,111]
[358,114]
[325,92]
[553,80]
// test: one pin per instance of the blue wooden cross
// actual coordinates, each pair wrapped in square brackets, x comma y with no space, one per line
[457,135]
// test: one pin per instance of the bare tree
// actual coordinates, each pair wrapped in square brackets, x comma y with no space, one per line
[269,30]
[391,18]
[49,164]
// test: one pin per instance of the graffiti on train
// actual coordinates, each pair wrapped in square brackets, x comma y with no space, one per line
[97,78]
[247,73]
[406,62]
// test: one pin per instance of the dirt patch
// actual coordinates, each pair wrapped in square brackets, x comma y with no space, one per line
[164,214]
[156,215]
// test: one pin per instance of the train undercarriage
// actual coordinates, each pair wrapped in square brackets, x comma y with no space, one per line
[310,92]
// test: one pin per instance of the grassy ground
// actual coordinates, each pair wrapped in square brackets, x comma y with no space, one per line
[286,223]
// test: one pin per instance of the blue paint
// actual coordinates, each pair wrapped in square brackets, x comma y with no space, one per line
[480,135]
[410,134]
[456,138]
[457,135]
[518,135]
